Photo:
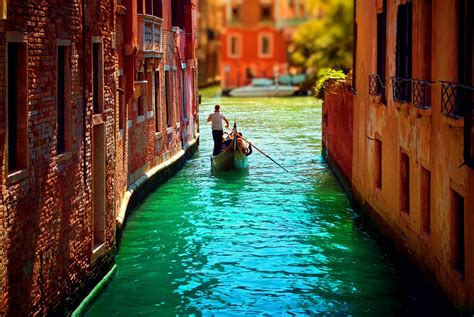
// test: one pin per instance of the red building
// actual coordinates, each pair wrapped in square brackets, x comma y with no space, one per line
[256,38]
[252,46]
[97,94]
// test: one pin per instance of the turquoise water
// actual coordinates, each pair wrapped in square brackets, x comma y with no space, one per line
[262,243]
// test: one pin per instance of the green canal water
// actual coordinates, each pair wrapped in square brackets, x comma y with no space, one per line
[262,243]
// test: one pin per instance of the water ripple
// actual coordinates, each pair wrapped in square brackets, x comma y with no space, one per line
[259,243]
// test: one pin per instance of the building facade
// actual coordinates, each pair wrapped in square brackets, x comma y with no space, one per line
[96,96]
[251,43]
[413,151]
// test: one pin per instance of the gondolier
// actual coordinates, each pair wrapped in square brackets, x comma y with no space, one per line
[216,119]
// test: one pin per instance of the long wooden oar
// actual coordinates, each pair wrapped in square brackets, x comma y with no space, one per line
[263,153]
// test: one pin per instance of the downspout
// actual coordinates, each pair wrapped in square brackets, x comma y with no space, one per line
[84,101]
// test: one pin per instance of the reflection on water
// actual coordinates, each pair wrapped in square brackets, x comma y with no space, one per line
[261,242]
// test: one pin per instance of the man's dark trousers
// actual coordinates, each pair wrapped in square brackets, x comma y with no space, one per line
[217,136]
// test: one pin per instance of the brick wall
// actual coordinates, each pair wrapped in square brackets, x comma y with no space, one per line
[48,210]
[338,109]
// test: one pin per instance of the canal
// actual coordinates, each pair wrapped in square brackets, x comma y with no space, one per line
[262,243]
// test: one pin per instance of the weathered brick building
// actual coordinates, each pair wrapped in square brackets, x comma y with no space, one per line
[412,158]
[97,94]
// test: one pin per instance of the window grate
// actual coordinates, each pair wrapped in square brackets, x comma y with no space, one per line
[422,93]
[455,99]
[401,89]
[376,85]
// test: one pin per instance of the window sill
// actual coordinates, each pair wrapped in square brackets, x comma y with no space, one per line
[169,130]
[401,105]
[426,112]
[64,157]
[140,119]
[129,124]
[149,114]
[120,134]
[159,135]
[97,251]
[454,122]
[178,125]
[17,176]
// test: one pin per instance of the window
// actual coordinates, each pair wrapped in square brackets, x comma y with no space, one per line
[140,107]
[148,7]
[63,110]
[98,184]
[183,94]
[265,13]
[169,109]
[378,163]
[425,199]
[97,77]
[382,50]
[174,80]
[404,183]
[465,54]
[458,232]
[177,9]
[403,56]
[235,18]
[157,101]
[265,48]
[234,46]
[121,102]
[17,106]
[140,6]
[158,8]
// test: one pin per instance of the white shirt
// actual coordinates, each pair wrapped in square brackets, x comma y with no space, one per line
[216,118]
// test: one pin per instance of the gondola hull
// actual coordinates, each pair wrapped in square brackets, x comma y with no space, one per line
[231,158]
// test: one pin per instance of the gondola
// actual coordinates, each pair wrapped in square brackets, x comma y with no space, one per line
[231,158]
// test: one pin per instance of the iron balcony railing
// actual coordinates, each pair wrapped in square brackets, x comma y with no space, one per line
[149,33]
[456,99]
[376,85]
[422,93]
[401,89]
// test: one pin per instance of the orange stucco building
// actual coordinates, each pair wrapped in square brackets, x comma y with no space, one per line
[255,37]
[413,150]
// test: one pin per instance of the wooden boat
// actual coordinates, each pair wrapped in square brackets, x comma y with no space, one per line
[231,158]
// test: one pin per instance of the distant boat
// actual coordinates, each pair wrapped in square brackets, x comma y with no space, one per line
[231,158]
[263,87]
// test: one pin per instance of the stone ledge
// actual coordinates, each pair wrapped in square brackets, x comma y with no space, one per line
[137,185]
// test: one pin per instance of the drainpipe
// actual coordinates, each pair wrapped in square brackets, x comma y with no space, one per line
[84,101]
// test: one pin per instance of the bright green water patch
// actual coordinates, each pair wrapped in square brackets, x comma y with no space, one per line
[262,243]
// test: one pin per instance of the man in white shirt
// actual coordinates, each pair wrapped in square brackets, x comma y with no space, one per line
[217,131]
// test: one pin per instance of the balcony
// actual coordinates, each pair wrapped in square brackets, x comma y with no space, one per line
[149,36]
[456,99]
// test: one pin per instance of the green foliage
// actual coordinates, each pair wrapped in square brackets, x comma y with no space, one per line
[327,41]
[325,75]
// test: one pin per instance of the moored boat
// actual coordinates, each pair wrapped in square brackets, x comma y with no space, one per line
[263,87]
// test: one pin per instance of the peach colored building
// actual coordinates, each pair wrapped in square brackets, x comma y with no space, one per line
[255,39]
[413,144]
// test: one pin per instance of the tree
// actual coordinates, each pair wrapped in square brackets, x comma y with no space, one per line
[325,42]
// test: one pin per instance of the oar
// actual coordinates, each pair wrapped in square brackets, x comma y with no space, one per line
[264,153]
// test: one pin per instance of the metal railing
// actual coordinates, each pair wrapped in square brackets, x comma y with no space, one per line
[401,89]
[376,85]
[422,93]
[456,99]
